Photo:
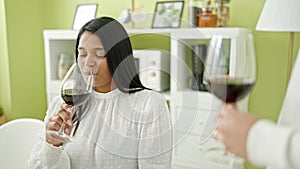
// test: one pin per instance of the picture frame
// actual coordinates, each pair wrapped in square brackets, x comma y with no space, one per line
[168,14]
[83,14]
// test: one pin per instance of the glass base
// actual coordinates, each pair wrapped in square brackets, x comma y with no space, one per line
[60,136]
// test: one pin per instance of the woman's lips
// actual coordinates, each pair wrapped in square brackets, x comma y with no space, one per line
[90,73]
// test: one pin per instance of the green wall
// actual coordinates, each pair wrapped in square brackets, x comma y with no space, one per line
[272,51]
[23,87]
[22,67]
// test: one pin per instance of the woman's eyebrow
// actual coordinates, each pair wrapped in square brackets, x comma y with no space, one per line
[99,48]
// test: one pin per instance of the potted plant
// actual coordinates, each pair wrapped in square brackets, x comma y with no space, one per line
[2,116]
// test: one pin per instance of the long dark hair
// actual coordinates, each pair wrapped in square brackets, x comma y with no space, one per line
[118,49]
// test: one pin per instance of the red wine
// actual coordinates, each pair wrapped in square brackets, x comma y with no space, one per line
[74,96]
[230,89]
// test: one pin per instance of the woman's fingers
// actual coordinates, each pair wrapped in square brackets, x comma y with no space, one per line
[53,125]
[66,113]
[62,118]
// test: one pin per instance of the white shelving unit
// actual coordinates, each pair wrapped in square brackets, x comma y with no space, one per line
[189,108]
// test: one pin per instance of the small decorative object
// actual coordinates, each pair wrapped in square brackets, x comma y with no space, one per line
[168,14]
[132,15]
[64,64]
[195,7]
[83,14]
[198,59]
[222,9]
[2,117]
[125,16]
[206,18]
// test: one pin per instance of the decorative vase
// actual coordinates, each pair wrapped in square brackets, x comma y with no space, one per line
[65,62]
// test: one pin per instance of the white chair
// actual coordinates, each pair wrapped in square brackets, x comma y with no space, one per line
[17,138]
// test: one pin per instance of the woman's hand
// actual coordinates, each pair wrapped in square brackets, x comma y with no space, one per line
[232,129]
[54,123]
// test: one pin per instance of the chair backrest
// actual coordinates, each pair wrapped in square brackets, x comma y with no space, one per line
[17,138]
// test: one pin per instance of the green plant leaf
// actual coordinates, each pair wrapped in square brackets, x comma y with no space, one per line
[1,111]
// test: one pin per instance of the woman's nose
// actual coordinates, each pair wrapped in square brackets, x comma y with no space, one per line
[91,61]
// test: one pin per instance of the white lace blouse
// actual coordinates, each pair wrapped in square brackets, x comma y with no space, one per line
[118,130]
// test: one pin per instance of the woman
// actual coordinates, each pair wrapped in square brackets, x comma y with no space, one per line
[123,125]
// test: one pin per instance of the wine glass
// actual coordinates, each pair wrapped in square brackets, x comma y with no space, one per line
[229,75]
[76,88]
[230,82]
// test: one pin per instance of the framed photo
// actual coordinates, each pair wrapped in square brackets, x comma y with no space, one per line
[83,14]
[168,14]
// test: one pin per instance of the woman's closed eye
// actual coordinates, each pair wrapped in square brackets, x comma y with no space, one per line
[82,54]
[100,56]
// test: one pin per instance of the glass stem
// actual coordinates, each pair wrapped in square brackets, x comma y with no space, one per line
[62,128]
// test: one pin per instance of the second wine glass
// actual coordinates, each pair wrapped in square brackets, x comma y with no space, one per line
[229,75]
[230,78]
[76,88]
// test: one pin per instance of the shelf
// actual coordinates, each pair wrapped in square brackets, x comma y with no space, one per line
[60,34]
[206,33]
[150,31]
[180,33]
[188,32]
